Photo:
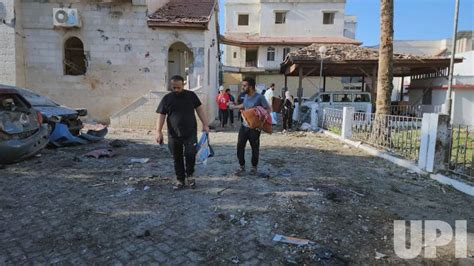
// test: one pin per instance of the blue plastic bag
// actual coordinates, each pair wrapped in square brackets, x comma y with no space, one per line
[203,149]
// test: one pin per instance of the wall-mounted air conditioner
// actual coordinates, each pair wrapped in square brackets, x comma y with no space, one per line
[66,17]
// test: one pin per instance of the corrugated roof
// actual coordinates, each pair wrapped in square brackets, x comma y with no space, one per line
[243,39]
[183,13]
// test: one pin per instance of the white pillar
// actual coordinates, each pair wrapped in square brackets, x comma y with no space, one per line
[434,146]
[347,121]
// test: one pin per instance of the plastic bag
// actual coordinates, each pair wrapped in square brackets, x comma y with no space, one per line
[204,149]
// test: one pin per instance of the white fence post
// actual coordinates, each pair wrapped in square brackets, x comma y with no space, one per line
[347,121]
[434,145]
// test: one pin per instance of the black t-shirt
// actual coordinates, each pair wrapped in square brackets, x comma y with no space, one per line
[179,108]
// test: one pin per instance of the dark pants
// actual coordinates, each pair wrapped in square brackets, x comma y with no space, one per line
[231,116]
[183,149]
[287,118]
[223,115]
[253,136]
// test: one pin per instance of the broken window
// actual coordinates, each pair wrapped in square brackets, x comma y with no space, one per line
[328,18]
[75,62]
[271,54]
[280,17]
[243,20]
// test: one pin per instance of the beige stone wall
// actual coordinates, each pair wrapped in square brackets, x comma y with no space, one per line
[127,60]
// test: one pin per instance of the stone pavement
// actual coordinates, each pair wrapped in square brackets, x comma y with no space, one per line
[61,208]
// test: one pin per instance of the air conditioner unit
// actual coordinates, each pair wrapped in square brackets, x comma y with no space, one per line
[66,17]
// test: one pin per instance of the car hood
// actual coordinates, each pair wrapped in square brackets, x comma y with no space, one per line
[50,111]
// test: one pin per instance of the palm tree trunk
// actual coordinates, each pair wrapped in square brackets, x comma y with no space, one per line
[381,127]
[385,69]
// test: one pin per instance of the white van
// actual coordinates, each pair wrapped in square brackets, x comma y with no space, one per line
[361,101]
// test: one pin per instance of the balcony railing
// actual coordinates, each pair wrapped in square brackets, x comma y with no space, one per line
[251,63]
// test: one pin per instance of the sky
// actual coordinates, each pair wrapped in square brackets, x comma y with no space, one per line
[414,19]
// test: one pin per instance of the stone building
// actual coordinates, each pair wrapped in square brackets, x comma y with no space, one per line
[113,57]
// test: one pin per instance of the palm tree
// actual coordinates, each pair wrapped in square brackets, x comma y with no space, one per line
[385,69]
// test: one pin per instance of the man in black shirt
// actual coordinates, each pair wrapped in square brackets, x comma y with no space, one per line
[178,108]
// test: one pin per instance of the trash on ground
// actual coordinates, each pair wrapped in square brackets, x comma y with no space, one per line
[235,260]
[311,189]
[291,240]
[100,153]
[139,160]
[146,188]
[127,190]
[379,255]
[305,126]
[286,173]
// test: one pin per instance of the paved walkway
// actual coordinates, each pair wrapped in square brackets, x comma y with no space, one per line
[62,208]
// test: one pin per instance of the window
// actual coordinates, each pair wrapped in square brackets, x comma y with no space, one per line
[75,62]
[342,98]
[362,98]
[286,51]
[328,18]
[271,54]
[243,20]
[235,54]
[280,17]
[324,98]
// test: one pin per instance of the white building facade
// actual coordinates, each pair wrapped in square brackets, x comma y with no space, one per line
[118,60]
[259,34]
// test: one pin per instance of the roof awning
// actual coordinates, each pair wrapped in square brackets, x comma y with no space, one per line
[351,60]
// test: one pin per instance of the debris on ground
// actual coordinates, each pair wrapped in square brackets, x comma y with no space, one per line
[379,255]
[117,143]
[291,240]
[146,188]
[235,260]
[139,160]
[100,153]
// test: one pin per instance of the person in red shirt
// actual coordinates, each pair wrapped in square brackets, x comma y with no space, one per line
[222,101]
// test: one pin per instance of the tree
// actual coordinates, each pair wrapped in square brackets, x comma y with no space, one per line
[385,69]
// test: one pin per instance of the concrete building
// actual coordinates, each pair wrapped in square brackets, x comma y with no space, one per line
[260,33]
[428,92]
[113,57]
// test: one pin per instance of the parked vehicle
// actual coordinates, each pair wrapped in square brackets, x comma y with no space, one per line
[22,131]
[361,101]
[53,112]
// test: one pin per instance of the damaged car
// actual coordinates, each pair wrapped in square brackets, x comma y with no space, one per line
[66,127]
[22,131]
[53,112]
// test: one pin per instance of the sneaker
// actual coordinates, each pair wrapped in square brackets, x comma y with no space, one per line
[240,171]
[179,185]
[192,182]
[253,171]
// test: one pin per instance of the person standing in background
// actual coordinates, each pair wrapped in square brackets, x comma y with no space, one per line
[231,110]
[222,101]
[269,94]
[287,111]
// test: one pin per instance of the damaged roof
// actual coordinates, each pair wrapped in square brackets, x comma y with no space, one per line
[242,39]
[347,60]
[183,14]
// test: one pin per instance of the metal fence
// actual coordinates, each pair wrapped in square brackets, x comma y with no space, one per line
[414,110]
[332,120]
[461,159]
[397,134]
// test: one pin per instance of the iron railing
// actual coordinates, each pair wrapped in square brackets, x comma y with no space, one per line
[414,110]
[332,120]
[461,159]
[397,134]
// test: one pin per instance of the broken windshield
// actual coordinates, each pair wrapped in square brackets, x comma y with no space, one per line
[36,99]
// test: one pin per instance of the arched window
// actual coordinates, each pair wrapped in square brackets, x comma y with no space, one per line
[75,62]
[271,54]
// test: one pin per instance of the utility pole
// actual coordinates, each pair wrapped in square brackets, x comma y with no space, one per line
[449,97]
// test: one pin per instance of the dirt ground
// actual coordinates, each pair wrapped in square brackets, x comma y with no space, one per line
[63,208]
